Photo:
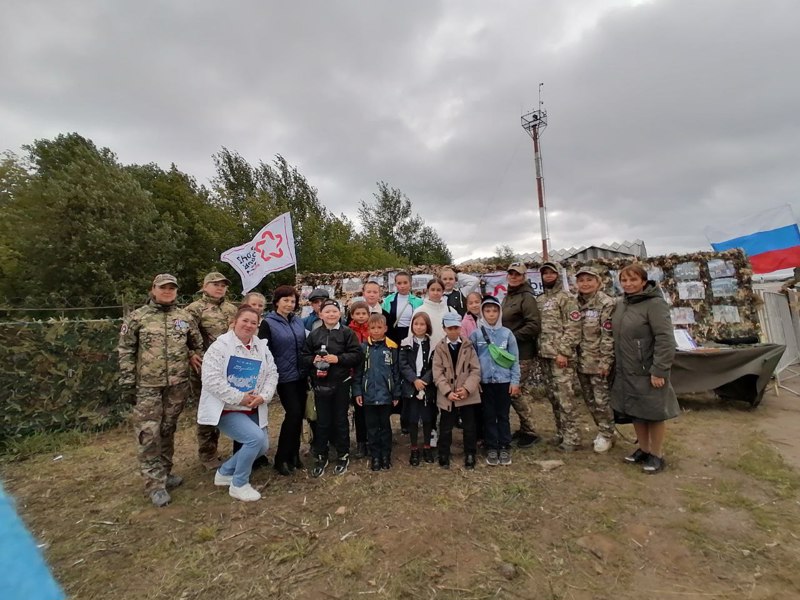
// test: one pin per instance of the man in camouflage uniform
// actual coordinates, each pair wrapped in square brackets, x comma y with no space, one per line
[521,316]
[155,344]
[596,354]
[213,315]
[561,332]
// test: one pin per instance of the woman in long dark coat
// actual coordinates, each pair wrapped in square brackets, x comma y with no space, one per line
[644,348]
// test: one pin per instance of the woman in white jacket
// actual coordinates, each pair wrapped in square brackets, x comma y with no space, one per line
[435,306]
[239,379]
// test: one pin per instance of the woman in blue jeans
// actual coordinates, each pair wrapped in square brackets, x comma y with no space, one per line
[239,379]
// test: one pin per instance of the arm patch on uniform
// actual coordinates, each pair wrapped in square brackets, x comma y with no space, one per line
[607,325]
[575,315]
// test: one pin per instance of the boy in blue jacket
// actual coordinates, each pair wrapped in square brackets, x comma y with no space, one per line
[376,387]
[499,383]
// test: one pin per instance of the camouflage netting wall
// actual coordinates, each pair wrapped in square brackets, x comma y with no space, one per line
[58,375]
[710,293]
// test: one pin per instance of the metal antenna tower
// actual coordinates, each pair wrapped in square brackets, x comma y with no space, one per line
[534,123]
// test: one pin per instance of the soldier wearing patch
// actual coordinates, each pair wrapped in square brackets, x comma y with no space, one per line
[561,332]
[596,354]
[155,345]
[213,315]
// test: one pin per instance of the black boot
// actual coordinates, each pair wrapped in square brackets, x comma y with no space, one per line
[386,463]
[283,468]
[444,461]
[297,463]
[469,461]
[376,464]
[414,459]
[427,455]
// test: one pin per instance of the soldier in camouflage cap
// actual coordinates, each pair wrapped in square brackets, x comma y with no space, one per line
[213,315]
[155,345]
[561,332]
[596,353]
[521,316]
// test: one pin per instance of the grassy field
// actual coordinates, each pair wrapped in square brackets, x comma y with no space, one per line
[722,522]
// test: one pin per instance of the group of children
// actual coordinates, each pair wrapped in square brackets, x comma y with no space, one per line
[421,359]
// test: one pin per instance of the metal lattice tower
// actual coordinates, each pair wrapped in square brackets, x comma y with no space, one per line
[534,123]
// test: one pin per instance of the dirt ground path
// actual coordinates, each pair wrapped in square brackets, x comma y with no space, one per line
[779,419]
[719,524]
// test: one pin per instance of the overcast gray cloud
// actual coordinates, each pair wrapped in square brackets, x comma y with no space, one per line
[665,115]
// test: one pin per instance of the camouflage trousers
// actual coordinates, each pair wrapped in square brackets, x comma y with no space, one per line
[207,435]
[522,404]
[558,383]
[155,419]
[598,400]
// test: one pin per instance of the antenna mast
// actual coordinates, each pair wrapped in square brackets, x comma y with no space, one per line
[534,123]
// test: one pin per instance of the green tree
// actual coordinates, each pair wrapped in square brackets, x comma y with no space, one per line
[13,176]
[85,231]
[324,242]
[391,220]
[207,228]
[504,254]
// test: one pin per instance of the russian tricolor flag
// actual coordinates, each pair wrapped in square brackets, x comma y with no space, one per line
[770,239]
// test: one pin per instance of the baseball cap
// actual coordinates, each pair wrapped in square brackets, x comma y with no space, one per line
[587,270]
[549,265]
[330,302]
[214,277]
[517,267]
[451,319]
[318,293]
[163,279]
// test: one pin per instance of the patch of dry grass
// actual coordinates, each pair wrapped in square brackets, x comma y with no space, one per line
[719,523]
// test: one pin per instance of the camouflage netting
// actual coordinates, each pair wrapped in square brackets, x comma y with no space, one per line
[710,293]
[58,375]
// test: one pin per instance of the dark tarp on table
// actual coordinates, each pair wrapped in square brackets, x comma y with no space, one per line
[733,373]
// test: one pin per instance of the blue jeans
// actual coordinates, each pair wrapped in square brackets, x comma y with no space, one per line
[242,428]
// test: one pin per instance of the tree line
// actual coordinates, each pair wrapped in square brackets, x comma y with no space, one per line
[77,227]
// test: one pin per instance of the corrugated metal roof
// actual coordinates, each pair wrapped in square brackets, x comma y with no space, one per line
[615,250]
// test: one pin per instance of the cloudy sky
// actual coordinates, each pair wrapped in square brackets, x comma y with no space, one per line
[664,115]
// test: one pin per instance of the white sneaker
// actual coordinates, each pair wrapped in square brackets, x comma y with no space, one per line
[434,438]
[222,480]
[245,493]
[602,444]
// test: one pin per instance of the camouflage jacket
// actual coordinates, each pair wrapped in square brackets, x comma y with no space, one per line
[561,323]
[596,349]
[155,344]
[213,317]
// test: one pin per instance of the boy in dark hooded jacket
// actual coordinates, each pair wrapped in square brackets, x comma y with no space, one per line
[376,387]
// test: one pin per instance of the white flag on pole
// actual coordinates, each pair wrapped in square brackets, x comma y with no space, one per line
[271,250]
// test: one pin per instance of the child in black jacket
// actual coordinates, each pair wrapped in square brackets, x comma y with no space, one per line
[376,387]
[419,395]
[329,354]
